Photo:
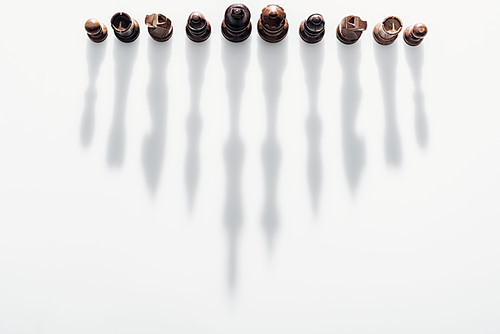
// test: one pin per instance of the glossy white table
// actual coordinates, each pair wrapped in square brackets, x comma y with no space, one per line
[165,188]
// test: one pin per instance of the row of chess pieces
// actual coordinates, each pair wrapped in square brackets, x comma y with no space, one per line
[272,27]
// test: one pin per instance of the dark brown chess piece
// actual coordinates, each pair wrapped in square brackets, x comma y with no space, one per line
[350,29]
[96,31]
[159,27]
[312,30]
[414,35]
[198,28]
[236,26]
[126,29]
[386,32]
[273,25]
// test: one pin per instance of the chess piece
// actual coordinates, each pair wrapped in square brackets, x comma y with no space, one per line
[126,29]
[159,27]
[350,29]
[198,28]
[414,35]
[236,26]
[96,31]
[273,25]
[386,32]
[312,30]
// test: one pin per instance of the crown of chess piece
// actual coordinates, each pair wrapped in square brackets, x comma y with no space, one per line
[414,35]
[96,31]
[273,25]
[386,32]
[350,29]
[236,26]
[126,29]
[159,27]
[312,30]
[198,28]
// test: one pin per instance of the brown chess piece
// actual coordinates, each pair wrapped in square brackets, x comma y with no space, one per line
[126,29]
[198,28]
[236,26]
[414,35]
[273,25]
[96,31]
[159,27]
[312,30]
[350,29]
[386,32]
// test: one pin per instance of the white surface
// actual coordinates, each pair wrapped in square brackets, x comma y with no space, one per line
[153,211]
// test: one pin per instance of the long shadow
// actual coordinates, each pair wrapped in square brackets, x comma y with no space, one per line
[197,56]
[125,55]
[312,60]
[415,59]
[273,59]
[153,145]
[235,57]
[95,57]
[386,58]
[353,145]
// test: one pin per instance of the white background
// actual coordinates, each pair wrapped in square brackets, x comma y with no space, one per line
[249,188]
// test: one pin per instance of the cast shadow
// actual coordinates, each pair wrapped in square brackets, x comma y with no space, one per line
[95,58]
[353,145]
[386,58]
[125,55]
[273,59]
[197,55]
[415,59]
[153,145]
[235,57]
[312,60]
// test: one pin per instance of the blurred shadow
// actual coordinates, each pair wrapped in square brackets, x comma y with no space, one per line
[273,59]
[153,145]
[197,57]
[312,60]
[353,145]
[415,59]
[125,55]
[235,57]
[95,57]
[387,58]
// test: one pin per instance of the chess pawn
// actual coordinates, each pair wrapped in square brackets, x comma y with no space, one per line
[312,30]
[96,31]
[414,35]
[198,28]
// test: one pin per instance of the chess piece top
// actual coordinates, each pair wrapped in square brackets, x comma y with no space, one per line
[198,29]
[236,26]
[159,27]
[96,31]
[126,29]
[273,24]
[414,35]
[312,30]
[350,29]
[386,32]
